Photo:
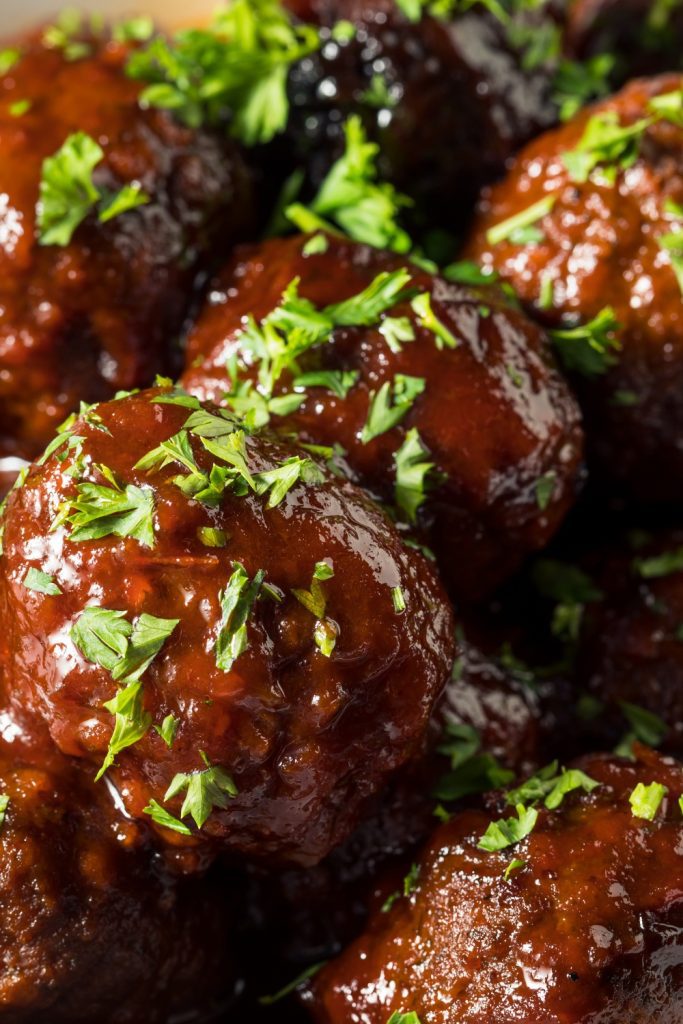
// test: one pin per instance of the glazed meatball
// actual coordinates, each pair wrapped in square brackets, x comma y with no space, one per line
[448,99]
[94,925]
[240,635]
[644,35]
[579,921]
[92,299]
[596,230]
[447,402]
[631,647]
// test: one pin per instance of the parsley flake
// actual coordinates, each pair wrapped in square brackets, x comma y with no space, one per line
[4,804]
[509,831]
[160,816]
[589,349]
[41,582]
[354,200]
[390,404]
[521,229]
[658,566]
[101,510]
[645,800]
[672,244]
[237,602]
[427,318]
[605,144]
[168,729]
[204,790]
[413,468]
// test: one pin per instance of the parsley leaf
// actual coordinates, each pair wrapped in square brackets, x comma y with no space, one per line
[471,770]
[520,229]
[237,602]
[131,722]
[314,600]
[578,82]
[339,382]
[101,635]
[571,590]
[352,198]
[545,488]
[427,318]
[551,786]
[4,804]
[67,192]
[8,58]
[161,816]
[658,566]
[389,405]
[41,582]
[672,244]
[101,510]
[283,477]
[168,729]
[645,800]
[396,330]
[413,469]
[589,349]
[509,831]
[404,1018]
[130,197]
[605,144]
[236,68]
[212,787]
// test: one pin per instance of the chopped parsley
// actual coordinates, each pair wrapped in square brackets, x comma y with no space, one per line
[68,193]
[160,816]
[101,510]
[607,145]
[672,244]
[235,71]
[8,58]
[315,601]
[204,790]
[472,771]
[64,34]
[351,198]
[237,602]
[398,600]
[291,986]
[282,478]
[645,800]
[551,786]
[126,650]
[545,489]
[576,83]
[427,318]
[405,1018]
[339,382]
[658,566]
[571,590]
[168,729]
[509,831]
[645,727]
[212,537]
[396,331]
[514,865]
[390,404]
[4,804]
[41,582]
[521,228]
[413,468]
[589,349]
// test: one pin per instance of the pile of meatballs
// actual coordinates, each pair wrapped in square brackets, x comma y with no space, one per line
[341,569]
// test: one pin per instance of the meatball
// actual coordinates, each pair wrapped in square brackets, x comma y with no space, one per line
[644,35]
[94,925]
[91,298]
[445,399]
[448,99]
[242,637]
[587,228]
[630,656]
[579,921]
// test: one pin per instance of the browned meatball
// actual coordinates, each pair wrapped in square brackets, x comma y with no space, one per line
[447,404]
[459,94]
[278,649]
[645,36]
[94,927]
[631,646]
[599,204]
[81,320]
[578,921]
